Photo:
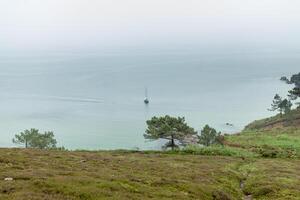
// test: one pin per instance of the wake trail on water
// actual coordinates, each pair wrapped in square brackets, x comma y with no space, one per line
[70,99]
[57,98]
[74,99]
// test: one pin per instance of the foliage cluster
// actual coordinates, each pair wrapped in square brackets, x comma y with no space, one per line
[294,93]
[282,105]
[217,150]
[34,139]
[176,131]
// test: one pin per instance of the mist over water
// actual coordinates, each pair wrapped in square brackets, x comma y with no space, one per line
[95,100]
[80,67]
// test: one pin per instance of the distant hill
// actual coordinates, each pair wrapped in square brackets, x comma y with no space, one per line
[274,137]
[289,120]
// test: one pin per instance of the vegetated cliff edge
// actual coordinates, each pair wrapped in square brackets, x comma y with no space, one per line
[289,120]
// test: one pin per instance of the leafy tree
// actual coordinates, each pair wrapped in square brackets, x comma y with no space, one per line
[25,137]
[295,79]
[32,138]
[277,101]
[294,94]
[209,136]
[286,105]
[169,128]
[282,105]
[44,141]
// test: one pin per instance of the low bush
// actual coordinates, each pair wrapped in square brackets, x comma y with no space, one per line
[275,152]
[216,151]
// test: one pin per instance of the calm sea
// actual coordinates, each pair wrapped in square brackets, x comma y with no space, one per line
[95,100]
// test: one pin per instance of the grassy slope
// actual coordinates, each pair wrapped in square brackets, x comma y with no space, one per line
[124,175]
[276,137]
[284,143]
[115,175]
[278,121]
[273,179]
[63,175]
[279,135]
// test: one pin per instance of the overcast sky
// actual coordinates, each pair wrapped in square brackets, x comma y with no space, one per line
[51,24]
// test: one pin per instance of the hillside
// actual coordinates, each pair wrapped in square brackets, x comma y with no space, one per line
[63,175]
[261,162]
[291,119]
[277,136]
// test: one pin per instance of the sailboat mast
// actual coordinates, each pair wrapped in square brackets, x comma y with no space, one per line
[146,93]
[146,100]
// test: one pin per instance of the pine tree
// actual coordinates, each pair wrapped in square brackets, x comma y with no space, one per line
[209,136]
[33,139]
[169,128]
[276,105]
[282,105]
[285,106]
[294,93]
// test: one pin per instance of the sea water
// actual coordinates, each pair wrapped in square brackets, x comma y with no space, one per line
[94,100]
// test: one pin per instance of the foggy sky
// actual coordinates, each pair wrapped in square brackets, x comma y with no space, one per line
[52,24]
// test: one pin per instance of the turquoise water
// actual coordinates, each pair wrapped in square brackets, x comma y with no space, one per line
[95,100]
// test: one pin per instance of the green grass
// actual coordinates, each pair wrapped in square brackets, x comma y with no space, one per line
[114,175]
[263,161]
[274,179]
[214,150]
[75,175]
[290,119]
[277,136]
[284,142]
[217,151]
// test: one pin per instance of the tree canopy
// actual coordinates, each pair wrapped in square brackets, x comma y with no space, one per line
[34,139]
[282,105]
[209,136]
[295,80]
[169,128]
